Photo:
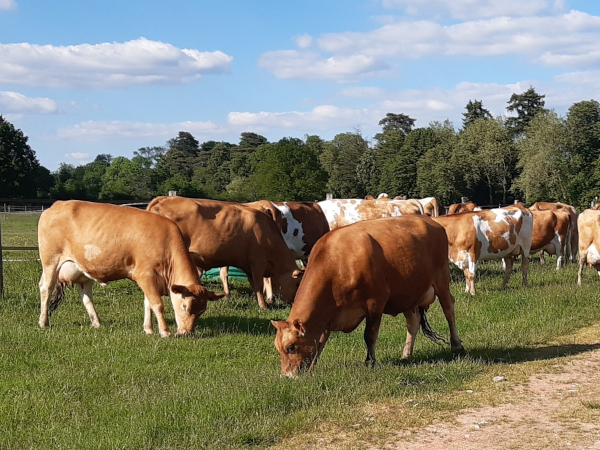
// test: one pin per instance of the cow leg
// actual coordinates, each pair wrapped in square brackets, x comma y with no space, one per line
[224,276]
[508,266]
[268,289]
[524,268]
[85,292]
[542,257]
[371,332]
[470,278]
[582,260]
[153,302]
[257,284]
[413,319]
[442,291]
[47,284]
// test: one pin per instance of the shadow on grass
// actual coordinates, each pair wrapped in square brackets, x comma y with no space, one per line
[498,355]
[222,325]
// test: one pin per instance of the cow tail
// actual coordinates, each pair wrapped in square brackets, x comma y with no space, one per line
[59,296]
[427,330]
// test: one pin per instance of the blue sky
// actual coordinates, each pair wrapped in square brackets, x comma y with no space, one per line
[83,78]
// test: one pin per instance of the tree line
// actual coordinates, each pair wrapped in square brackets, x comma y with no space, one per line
[532,155]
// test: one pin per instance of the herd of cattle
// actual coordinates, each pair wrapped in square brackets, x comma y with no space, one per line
[367,258]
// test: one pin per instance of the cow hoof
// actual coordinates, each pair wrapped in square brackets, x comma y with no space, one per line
[165,334]
[96,325]
[459,351]
[43,324]
[148,331]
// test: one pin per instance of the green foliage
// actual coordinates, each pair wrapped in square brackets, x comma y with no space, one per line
[19,166]
[216,175]
[475,111]
[544,160]
[487,150]
[288,170]
[181,156]
[526,105]
[399,171]
[340,159]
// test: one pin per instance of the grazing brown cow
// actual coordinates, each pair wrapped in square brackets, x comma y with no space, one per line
[342,212]
[301,225]
[222,234]
[589,241]
[384,266]
[81,242]
[572,243]
[463,207]
[551,232]
[498,233]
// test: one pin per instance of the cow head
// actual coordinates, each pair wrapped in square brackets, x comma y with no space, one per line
[189,303]
[297,352]
[286,285]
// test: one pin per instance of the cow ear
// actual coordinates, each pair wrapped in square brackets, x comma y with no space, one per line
[214,296]
[297,273]
[279,324]
[178,289]
[299,327]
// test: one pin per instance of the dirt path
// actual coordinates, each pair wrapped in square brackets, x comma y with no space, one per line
[551,410]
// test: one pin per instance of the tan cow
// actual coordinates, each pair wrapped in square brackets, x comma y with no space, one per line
[81,242]
[430,206]
[551,232]
[492,234]
[222,234]
[301,225]
[342,212]
[384,266]
[589,241]
[463,207]
[572,243]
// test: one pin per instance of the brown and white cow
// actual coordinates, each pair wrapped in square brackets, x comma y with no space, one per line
[572,243]
[81,242]
[342,212]
[384,266]
[589,241]
[456,208]
[551,232]
[222,234]
[492,234]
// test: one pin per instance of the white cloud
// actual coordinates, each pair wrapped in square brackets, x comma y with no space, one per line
[363,92]
[590,78]
[303,41]
[564,40]
[106,65]
[78,155]
[312,66]
[116,130]
[465,9]
[8,4]
[14,102]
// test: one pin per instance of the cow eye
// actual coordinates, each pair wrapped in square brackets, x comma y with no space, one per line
[290,348]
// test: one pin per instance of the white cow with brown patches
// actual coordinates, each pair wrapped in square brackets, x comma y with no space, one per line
[589,241]
[342,212]
[83,242]
[491,234]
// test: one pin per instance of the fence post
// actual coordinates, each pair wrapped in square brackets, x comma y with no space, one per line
[1,266]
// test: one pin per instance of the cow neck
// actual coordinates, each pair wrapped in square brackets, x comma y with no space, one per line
[182,270]
[314,315]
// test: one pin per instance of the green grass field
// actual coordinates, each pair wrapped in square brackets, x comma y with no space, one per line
[72,386]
